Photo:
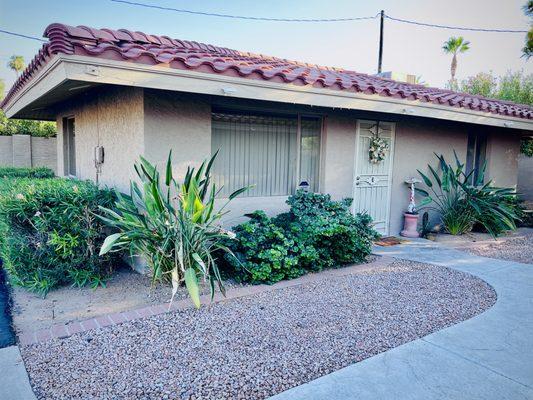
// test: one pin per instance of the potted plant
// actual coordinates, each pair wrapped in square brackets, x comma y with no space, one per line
[410,223]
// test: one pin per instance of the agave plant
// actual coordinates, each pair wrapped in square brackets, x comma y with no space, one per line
[462,203]
[173,226]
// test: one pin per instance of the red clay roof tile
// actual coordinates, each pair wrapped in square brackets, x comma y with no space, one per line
[182,54]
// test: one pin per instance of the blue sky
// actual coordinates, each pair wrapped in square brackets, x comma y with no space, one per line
[352,45]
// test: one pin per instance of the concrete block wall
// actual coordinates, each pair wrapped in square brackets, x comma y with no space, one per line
[27,151]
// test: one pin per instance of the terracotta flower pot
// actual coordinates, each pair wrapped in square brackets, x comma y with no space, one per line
[409,226]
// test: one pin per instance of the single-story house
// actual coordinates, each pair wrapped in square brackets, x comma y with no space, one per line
[118,94]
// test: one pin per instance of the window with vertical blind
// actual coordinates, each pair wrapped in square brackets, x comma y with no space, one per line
[476,154]
[69,146]
[272,153]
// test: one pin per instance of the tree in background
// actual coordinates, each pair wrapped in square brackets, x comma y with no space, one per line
[455,45]
[16,63]
[514,86]
[528,48]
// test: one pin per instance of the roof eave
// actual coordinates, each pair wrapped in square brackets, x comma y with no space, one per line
[103,71]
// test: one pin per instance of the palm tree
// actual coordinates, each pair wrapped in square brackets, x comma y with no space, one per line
[16,63]
[453,46]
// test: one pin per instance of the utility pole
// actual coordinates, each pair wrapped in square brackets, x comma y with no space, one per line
[380,58]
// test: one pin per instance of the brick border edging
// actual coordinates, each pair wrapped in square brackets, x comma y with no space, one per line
[61,331]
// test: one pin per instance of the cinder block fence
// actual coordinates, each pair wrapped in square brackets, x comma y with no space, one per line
[28,151]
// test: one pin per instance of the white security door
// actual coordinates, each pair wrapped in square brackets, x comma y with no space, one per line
[372,186]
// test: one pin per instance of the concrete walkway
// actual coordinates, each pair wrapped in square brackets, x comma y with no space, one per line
[487,357]
[14,383]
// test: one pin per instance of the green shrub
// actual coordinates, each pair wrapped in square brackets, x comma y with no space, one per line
[10,127]
[36,172]
[264,252]
[463,204]
[50,235]
[316,233]
[177,235]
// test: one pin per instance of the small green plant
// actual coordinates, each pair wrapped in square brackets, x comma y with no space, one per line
[173,226]
[49,233]
[35,172]
[316,233]
[265,253]
[462,204]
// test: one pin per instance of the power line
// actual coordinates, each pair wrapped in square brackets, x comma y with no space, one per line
[458,28]
[244,17]
[22,36]
[180,10]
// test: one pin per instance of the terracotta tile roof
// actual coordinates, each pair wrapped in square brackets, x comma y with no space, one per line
[138,47]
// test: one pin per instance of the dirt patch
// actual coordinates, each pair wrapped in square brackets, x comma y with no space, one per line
[125,291]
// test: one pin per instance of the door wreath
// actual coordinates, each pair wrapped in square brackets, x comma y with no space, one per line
[378,147]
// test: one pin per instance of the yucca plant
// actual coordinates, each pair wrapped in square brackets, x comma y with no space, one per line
[173,226]
[462,203]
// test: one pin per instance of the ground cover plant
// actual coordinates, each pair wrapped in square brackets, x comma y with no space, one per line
[49,233]
[34,172]
[316,233]
[463,203]
[173,226]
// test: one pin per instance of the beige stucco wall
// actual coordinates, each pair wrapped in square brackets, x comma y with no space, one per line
[503,151]
[129,122]
[338,156]
[112,118]
[175,123]
[525,177]
[414,146]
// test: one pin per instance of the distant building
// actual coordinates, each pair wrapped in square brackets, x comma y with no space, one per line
[399,76]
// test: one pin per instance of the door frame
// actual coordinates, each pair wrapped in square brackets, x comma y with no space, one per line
[389,172]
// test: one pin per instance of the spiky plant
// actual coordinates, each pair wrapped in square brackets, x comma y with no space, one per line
[173,226]
[462,203]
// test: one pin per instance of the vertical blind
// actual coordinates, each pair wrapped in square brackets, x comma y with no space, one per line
[262,151]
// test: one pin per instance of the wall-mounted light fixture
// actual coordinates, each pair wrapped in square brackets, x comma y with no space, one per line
[508,124]
[408,111]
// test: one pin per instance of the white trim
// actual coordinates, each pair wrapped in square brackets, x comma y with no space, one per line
[96,70]
[389,172]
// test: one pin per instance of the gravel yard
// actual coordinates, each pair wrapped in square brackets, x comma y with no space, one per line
[517,248]
[256,346]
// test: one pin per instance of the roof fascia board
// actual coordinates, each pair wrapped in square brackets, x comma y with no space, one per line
[52,75]
[97,70]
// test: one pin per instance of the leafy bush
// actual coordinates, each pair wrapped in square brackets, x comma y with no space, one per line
[316,233]
[177,235]
[10,127]
[463,204]
[37,172]
[50,235]
[264,252]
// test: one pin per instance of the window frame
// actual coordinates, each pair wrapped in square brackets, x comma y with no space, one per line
[67,147]
[280,114]
[476,154]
